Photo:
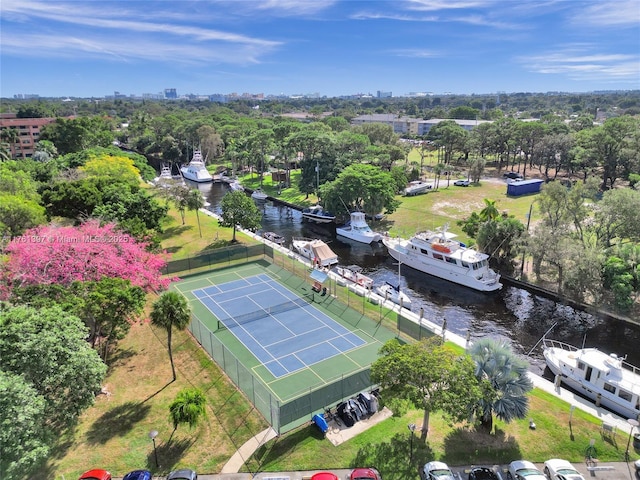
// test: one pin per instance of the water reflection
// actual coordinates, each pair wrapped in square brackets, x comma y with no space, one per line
[512,313]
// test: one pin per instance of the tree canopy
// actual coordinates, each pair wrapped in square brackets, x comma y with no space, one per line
[239,210]
[50,254]
[430,376]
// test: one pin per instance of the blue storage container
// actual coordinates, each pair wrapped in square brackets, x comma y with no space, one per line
[523,187]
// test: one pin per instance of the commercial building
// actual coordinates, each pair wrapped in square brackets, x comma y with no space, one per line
[410,125]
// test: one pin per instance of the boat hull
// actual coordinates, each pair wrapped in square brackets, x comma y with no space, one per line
[318,218]
[388,292]
[436,270]
[195,177]
[357,236]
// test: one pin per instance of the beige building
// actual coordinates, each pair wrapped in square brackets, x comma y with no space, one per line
[28,133]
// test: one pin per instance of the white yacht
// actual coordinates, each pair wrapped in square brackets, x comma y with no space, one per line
[166,178]
[353,273]
[259,194]
[438,254]
[606,379]
[315,250]
[417,187]
[196,170]
[317,214]
[236,186]
[358,230]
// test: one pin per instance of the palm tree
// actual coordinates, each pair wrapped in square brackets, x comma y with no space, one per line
[195,202]
[490,211]
[505,376]
[169,311]
[188,407]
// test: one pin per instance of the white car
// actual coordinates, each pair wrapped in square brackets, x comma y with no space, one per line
[558,469]
[436,471]
[524,470]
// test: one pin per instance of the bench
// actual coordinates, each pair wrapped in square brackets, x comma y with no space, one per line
[608,432]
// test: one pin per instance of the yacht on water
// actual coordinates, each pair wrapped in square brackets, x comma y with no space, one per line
[358,230]
[438,254]
[259,194]
[315,250]
[317,214]
[604,378]
[196,170]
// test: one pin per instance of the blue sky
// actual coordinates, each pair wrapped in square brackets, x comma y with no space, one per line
[89,48]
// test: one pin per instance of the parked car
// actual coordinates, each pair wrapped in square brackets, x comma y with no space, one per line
[524,470]
[558,469]
[462,183]
[138,475]
[183,474]
[365,474]
[436,471]
[96,474]
[483,473]
[512,175]
[324,476]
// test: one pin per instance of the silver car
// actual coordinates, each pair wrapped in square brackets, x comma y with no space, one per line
[436,471]
[524,470]
[558,469]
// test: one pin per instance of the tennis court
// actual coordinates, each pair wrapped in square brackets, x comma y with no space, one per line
[282,330]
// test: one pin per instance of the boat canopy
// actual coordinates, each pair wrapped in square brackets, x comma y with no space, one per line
[322,251]
[318,275]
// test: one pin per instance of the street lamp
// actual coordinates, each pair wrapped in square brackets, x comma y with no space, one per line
[412,428]
[152,435]
[634,423]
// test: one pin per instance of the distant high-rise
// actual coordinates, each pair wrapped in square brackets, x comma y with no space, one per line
[170,93]
[384,94]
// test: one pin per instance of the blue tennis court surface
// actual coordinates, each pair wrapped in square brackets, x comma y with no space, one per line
[281,329]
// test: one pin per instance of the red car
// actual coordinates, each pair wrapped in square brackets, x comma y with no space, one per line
[365,474]
[96,474]
[324,476]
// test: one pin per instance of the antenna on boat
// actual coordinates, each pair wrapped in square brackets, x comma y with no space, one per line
[584,340]
[541,338]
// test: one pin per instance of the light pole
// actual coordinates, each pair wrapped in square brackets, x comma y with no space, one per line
[412,428]
[634,423]
[152,435]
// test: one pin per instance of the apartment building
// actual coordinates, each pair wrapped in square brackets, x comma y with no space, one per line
[409,125]
[28,133]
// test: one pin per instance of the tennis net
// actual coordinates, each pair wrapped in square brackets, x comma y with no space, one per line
[233,320]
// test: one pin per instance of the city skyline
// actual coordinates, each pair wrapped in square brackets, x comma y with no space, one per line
[85,48]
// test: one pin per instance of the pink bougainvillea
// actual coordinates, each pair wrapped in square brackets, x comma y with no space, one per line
[48,254]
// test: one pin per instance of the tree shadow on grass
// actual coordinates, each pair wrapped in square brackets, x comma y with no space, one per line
[399,458]
[119,357]
[169,454]
[280,449]
[469,446]
[116,422]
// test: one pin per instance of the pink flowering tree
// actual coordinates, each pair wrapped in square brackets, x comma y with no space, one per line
[62,255]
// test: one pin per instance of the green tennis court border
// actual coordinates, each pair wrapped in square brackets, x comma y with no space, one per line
[291,400]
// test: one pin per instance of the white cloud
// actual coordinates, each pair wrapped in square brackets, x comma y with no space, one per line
[614,13]
[579,62]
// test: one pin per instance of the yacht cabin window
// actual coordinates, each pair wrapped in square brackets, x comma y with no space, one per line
[609,388]
[580,366]
[451,260]
[623,394]
[437,256]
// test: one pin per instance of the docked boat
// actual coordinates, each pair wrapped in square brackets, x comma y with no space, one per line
[358,230]
[236,186]
[273,237]
[196,170]
[315,250]
[391,292]
[604,378]
[259,195]
[417,187]
[317,214]
[438,254]
[353,273]
[166,178]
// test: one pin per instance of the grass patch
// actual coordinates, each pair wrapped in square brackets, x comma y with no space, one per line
[387,445]
[114,433]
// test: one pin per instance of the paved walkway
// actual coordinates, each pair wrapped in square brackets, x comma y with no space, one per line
[238,459]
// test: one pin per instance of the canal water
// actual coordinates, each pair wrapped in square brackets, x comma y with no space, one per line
[512,313]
